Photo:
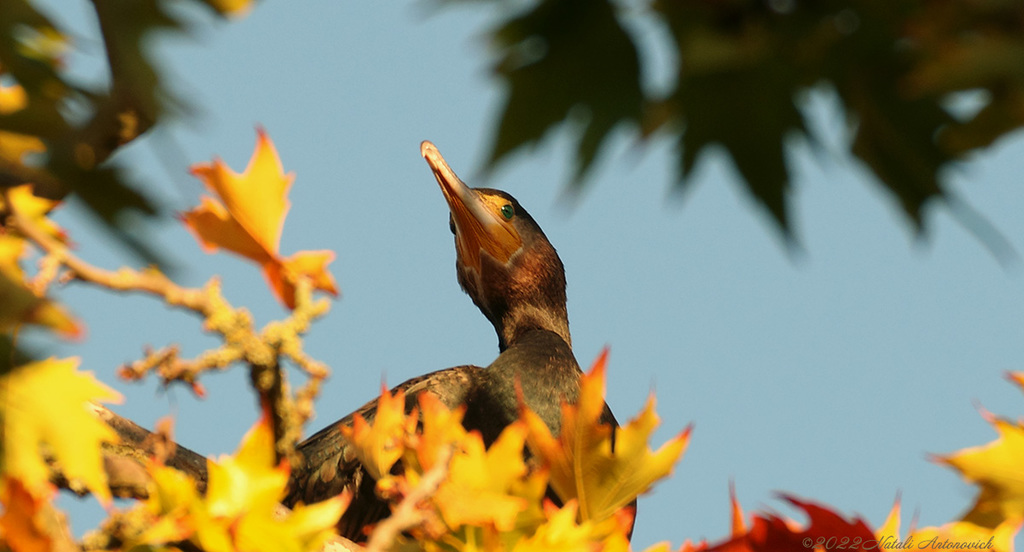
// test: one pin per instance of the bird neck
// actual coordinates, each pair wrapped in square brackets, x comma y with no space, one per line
[523,318]
[538,370]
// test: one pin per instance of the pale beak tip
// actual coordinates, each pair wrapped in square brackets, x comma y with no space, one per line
[428,150]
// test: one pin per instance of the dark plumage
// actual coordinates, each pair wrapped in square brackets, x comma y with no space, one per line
[513,274]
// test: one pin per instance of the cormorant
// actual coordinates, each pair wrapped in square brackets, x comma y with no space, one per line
[513,274]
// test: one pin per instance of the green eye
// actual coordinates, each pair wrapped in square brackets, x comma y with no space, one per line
[507,211]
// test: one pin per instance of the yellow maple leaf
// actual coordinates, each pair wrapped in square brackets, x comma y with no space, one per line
[240,509]
[998,468]
[560,533]
[172,499]
[582,462]
[249,480]
[242,497]
[380,444]
[440,428]
[45,404]
[249,216]
[477,490]
[959,535]
[964,535]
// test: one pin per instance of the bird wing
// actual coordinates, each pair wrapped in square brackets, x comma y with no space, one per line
[330,465]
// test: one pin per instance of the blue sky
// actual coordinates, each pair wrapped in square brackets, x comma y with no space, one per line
[831,373]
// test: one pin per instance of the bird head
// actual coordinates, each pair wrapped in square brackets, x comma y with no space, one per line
[504,261]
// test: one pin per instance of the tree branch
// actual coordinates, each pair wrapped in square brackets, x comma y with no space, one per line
[262,350]
[139,444]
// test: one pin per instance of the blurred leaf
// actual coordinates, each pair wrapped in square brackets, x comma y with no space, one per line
[566,60]
[1003,114]
[560,532]
[79,141]
[957,534]
[19,304]
[35,208]
[20,526]
[251,479]
[14,147]
[172,499]
[963,534]
[250,220]
[891,526]
[46,405]
[744,70]
[896,137]
[770,532]
[240,509]
[231,8]
[736,88]
[137,86]
[1017,378]
[998,468]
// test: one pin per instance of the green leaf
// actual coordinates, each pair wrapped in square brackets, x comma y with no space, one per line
[736,89]
[566,60]
[896,137]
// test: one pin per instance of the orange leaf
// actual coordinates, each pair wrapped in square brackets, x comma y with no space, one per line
[215,228]
[232,8]
[20,527]
[1017,378]
[12,98]
[248,218]
[738,527]
[284,274]
[890,528]
[257,198]
[583,465]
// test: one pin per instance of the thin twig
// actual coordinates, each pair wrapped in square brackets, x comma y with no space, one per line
[408,513]
[261,350]
[148,281]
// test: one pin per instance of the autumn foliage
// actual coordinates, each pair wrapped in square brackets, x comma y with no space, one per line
[451,493]
[466,495]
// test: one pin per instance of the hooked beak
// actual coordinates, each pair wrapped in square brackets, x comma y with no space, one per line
[478,227]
